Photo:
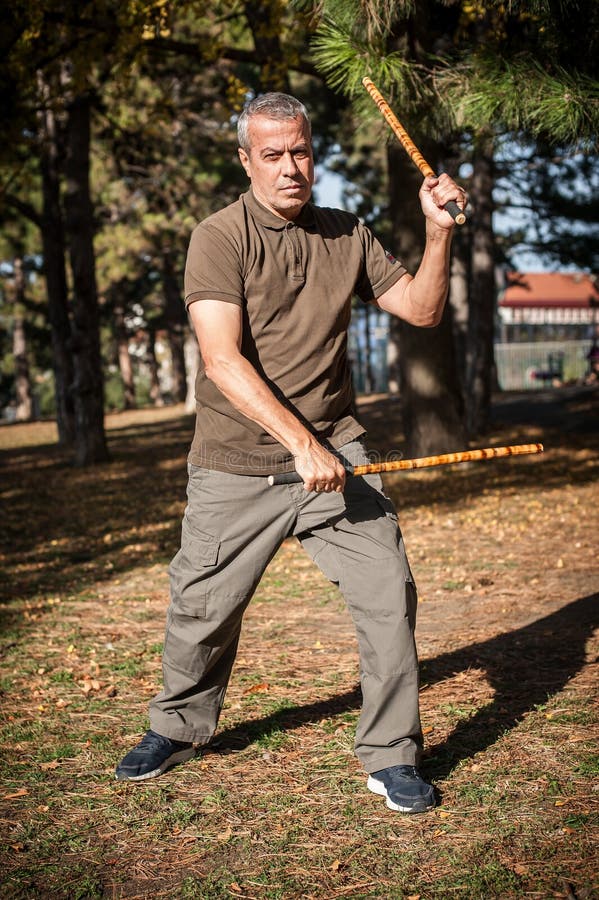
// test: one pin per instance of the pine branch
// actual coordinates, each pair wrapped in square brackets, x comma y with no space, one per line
[520,95]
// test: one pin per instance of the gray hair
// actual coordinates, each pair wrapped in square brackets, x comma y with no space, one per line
[272,105]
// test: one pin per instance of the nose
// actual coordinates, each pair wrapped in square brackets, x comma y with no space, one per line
[289,165]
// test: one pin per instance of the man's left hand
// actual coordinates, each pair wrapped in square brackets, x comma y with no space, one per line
[435,193]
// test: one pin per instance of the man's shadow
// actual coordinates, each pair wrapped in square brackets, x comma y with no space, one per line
[525,667]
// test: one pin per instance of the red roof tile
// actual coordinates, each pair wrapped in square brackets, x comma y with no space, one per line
[550,289]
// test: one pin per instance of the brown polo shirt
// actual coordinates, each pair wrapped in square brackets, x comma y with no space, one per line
[294,282]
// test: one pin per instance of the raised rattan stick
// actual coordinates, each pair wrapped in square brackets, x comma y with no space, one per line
[408,144]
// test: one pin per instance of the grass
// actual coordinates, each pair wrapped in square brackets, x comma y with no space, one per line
[277,806]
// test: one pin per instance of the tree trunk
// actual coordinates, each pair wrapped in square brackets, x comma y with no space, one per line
[124,357]
[192,362]
[393,354]
[175,321]
[458,299]
[24,409]
[459,284]
[90,440]
[264,19]
[152,363]
[369,384]
[53,249]
[430,392]
[482,307]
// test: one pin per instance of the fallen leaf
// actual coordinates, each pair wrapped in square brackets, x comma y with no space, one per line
[22,792]
[334,867]
[235,887]
[428,729]
[53,764]
[561,802]
[225,835]
[443,814]
[257,688]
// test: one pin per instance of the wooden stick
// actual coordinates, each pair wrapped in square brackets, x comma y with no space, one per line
[446,459]
[408,144]
[423,462]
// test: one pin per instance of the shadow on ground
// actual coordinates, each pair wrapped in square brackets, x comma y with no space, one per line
[525,667]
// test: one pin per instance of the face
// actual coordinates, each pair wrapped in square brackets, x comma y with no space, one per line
[280,164]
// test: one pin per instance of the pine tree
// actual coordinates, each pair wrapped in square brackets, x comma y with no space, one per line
[469,70]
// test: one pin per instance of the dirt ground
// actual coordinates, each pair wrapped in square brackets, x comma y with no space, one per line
[505,555]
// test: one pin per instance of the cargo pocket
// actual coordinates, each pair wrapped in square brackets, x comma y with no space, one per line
[187,628]
[200,547]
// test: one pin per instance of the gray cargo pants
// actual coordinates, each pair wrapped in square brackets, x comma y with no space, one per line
[232,528]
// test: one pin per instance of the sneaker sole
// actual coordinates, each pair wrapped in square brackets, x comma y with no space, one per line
[377,787]
[179,757]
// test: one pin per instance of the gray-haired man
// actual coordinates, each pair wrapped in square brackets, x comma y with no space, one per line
[268,286]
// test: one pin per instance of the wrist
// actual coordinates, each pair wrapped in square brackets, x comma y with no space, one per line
[301,444]
[438,234]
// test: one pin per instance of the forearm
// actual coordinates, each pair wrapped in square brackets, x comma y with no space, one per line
[237,379]
[425,294]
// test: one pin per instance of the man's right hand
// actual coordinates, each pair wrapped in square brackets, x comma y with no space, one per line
[320,470]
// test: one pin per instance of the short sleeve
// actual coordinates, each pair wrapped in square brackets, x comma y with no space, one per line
[380,270]
[213,269]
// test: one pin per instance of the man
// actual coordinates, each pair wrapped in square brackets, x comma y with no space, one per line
[268,285]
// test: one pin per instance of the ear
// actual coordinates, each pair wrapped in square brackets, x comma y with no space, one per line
[245,161]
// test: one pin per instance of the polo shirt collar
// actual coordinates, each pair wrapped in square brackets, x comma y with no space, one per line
[266,217]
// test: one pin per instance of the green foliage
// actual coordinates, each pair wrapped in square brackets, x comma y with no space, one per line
[512,67]
[521,95]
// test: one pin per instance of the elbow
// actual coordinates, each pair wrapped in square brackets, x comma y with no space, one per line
[434,320]
[425,308]
[428,320]
[215,368]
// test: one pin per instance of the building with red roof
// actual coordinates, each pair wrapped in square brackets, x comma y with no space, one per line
[549,306]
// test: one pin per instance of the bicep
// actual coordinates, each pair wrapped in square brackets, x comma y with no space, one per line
[218,328]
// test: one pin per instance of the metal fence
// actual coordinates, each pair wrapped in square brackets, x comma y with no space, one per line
[520,366]
[531,366]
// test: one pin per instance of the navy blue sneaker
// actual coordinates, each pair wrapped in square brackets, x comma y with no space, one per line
[152,756]
[404,789]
